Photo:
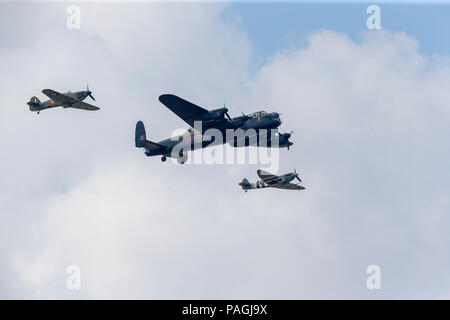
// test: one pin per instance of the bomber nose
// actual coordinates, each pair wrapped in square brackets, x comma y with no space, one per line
[277,118]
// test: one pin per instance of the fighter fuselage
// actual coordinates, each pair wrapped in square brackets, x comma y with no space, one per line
[36,105]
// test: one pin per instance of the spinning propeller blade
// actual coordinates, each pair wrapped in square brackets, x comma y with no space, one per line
[90,93]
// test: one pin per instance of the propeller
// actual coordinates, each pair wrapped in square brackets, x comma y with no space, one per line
[226,113]
[287,136]
[296,175]
[90,93]
[225,107]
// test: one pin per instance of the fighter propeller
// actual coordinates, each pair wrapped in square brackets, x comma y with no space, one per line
[90,93]
[296,175]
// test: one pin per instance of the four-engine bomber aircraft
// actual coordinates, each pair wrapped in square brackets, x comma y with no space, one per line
[65,100]
[213,119]
[273,181]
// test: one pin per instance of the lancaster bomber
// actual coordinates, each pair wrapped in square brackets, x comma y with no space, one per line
[273,181]
[66,100]
[261,122]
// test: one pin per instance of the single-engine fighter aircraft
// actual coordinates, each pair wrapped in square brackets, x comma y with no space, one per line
[212,119]
[273,181]
[65,100]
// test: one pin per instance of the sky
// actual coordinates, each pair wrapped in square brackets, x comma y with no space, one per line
[370,114]
[272,26]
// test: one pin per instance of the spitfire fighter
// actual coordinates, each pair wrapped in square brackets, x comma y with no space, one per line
[210,119]
[65,100]
[273,181]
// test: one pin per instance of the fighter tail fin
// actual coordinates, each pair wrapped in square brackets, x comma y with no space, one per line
[244,182]
[34,101]
[34,104]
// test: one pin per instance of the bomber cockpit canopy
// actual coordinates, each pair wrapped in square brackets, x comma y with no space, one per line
[257,114]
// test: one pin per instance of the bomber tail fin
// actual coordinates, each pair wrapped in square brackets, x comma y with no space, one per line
[140,137]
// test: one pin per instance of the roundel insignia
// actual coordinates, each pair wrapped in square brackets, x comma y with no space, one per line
[52,103]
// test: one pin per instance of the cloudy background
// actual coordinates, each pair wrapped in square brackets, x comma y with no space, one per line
[370,112]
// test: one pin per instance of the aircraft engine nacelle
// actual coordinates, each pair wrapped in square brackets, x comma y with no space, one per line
[213,115]
[260,140]
[283,140]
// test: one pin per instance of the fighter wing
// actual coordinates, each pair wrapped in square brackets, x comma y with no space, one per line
[57,97]
[268,178]
[182,108]
[84,106]
[289,186]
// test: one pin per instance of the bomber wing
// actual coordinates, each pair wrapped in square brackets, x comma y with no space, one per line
[182,108]
[84,106]
[57,97]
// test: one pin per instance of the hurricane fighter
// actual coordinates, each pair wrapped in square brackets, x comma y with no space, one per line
[66,100]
